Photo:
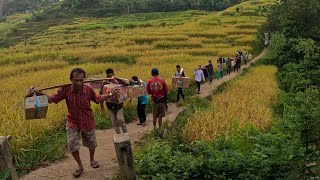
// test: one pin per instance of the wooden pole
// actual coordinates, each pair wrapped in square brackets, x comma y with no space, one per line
[87,81]
[123,149]
[6,164]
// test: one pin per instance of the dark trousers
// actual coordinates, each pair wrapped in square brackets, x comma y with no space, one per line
[198,85]
[142,112]
[210,77]
[180,92]
[228,69]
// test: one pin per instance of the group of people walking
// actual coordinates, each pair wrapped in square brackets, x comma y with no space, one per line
[230,63]
[80,120]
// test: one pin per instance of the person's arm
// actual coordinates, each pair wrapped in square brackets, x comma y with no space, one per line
[53,98]
[98,99]
[148,87]
[58,96]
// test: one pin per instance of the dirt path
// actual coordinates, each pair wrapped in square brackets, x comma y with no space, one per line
[105,152]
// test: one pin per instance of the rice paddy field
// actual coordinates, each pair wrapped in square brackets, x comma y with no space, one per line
[245,101]
[130,44]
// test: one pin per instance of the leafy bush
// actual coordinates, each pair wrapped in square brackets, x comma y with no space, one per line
[269,156]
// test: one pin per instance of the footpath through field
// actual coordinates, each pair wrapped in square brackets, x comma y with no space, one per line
[105,152]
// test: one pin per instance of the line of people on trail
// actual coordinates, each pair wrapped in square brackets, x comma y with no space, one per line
[80,120]
[230,63]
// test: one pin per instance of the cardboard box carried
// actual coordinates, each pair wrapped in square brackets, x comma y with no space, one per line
[180,82]
[35,105]
[136,91]
[119,93]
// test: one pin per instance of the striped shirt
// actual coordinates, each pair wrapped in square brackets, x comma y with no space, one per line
[80,114]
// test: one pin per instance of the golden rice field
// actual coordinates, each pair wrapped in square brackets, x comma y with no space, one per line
[244,101]
[130,44]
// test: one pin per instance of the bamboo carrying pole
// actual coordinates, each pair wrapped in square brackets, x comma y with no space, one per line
[87,81]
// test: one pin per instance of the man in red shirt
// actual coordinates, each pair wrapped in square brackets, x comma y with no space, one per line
[80,120]
[158,90]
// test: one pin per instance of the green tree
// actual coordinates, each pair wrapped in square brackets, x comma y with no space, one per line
[296,18]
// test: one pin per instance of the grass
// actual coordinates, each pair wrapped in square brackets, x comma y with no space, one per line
[131,44]
[42,153]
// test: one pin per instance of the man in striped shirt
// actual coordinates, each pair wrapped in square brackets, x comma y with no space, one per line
[80,120]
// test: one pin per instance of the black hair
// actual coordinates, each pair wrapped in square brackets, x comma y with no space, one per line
[177,66]
[154,72]
[78,71]
[209,61]
[135,78]
[109,71]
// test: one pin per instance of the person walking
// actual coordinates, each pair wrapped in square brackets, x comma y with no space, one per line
[238,62]
[266,39]
[210,71]
[220,70]
[228,64]
[142,101]
[115,110]
[199,76]
[179,73]
[80,120]
[158,90]
[234,64]
[245,58]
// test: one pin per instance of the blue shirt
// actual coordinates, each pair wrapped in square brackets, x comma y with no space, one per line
[143,99]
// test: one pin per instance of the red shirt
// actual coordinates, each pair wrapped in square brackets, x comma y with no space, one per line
[157,87]
[80,114]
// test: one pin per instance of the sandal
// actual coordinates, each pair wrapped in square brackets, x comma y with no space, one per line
[77,173]
[94,164]
[139,123]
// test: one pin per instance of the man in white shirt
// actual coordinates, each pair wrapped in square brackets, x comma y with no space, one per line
[199,76]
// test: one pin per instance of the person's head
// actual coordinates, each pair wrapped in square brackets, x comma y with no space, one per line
[154,72]
[210,62]
[178,67]
[199,67]
[77,76]
[135,80]
[109,73]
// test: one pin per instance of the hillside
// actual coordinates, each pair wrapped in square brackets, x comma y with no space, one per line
[131,44]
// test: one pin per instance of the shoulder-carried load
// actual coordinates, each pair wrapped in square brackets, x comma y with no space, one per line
[119,93]
[35,105]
